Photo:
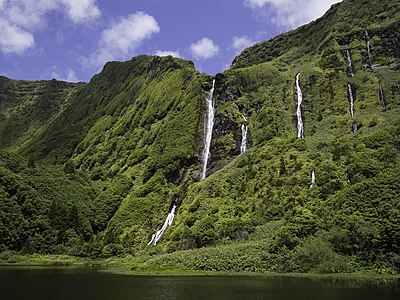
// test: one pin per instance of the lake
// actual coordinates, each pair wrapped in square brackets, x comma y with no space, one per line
[69,283]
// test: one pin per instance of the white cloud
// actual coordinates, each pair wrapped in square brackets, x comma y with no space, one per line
[256,3]
[292,13]
[166,53]
[121,40]
[239,43]
[28,14]
[204,49]
[69,76]
[22,17]
[80,11]
[14,39]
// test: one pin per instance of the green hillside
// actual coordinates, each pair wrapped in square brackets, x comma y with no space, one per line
[93,169]
[26,107]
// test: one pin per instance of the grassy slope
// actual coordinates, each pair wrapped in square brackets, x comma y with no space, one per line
[26,107]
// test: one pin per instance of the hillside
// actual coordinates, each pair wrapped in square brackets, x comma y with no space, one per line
[321,197]
[27,106]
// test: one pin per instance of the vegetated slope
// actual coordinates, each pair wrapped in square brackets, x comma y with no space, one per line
[136,130]
[27,106]
[344,20]
[43,208]
[353,208]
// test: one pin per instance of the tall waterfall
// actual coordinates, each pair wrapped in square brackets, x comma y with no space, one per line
[300,128]
[208,128]
[243,145]
[312,179]
[157,236]
[349,63]
[351,99]
[382,96]
[368,47]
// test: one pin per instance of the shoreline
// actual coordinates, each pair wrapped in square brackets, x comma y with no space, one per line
[101,266]
[365,276]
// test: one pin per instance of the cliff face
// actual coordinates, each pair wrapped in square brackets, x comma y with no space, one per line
[131,141]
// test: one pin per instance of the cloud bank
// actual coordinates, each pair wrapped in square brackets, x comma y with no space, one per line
[204,49]
[239,43]
[69,76]
[167,53]
[80,11]
[14,39]
[122,38]
[20,18]
[291,13]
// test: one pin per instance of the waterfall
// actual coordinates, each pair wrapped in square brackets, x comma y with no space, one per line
[349,64]
[243,145]
[208,128]
[351,99]
[312,179]
[157,236]
[368,47]
[382,96]
[300,128]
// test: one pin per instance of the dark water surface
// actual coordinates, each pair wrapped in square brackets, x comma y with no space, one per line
[64,283]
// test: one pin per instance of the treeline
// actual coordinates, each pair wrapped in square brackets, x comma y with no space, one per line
[53,209]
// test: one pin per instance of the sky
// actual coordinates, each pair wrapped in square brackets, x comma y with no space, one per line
[71,40]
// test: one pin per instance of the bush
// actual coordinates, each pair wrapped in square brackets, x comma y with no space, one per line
[112,250]
[316,255]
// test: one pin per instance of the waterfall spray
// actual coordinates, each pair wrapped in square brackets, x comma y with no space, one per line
[208,128]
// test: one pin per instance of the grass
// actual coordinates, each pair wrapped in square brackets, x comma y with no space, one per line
[128,265]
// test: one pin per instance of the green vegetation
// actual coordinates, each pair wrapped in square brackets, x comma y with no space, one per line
[91,170]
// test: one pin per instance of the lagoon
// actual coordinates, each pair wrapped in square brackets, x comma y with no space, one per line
[71,283]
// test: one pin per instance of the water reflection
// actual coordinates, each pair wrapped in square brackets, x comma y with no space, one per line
[65,283]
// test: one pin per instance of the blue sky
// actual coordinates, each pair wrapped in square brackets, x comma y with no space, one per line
[72,39]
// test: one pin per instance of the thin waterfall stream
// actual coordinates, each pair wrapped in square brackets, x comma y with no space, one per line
[244,127]
[351,99]
[349,63]
[168,222]
[312,179]
[208,128]
[368,39]
[382,96]
[300,125]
